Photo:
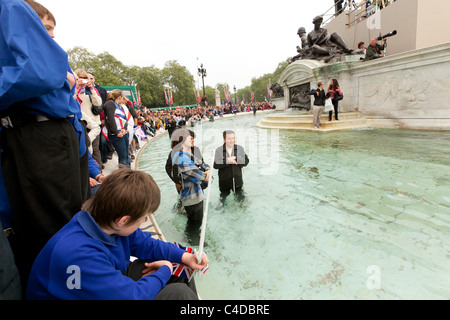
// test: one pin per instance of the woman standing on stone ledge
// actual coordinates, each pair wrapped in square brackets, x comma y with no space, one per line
[334,92]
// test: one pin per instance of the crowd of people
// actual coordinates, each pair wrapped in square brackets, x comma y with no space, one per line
[367,4]
[58,129]
[151,120]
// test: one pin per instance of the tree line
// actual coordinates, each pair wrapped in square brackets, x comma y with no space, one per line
[151,81]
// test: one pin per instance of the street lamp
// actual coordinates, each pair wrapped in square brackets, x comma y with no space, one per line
[235,96]
[202,73]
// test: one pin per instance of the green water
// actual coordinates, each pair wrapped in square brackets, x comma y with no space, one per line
[361,214]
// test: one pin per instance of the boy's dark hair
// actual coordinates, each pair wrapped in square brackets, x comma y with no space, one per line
[125,192]
[41,10]
[227,132]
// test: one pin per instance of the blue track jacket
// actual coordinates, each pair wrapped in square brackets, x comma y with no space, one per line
[81,253]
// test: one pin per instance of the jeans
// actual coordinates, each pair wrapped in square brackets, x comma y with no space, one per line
[121,146]
[194,222]
[336,108]
[103,148]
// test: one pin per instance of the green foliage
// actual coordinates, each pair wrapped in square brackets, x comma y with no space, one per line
[181,81]
[151,81]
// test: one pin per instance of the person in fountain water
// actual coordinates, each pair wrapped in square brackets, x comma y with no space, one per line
[191,177]
[230,158]
[172,170]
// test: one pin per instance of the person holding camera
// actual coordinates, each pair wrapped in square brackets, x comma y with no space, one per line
[196,157]
[319,102]
[191,177]
[374,50]
[91,104]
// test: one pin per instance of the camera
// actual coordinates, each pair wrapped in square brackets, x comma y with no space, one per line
[390,34]
[85,81]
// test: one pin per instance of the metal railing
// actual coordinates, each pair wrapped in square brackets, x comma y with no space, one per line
[361,11]
[359,14]
[355,12]
[327,16]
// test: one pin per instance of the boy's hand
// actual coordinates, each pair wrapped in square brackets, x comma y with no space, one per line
[152,267]
[190,260]
[208,173]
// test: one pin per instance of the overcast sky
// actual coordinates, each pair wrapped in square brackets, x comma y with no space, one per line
[235,40]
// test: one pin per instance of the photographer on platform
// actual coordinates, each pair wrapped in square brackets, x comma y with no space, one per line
[374,50]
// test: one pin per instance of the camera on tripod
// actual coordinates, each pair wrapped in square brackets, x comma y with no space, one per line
[390,34]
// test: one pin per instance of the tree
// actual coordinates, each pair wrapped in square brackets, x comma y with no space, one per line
[149,84]
[151,81]
[180,80]
[81,58]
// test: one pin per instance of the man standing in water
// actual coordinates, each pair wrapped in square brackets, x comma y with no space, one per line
[230,158]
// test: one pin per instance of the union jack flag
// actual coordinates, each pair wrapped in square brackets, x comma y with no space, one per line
[139,97]
[269,92]
[253,96]
[198,97]
[171,97]
[182,270]
[168,96]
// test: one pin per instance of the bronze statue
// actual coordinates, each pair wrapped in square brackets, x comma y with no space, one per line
[278,91]
[304,50]
[320,44]
[299,97]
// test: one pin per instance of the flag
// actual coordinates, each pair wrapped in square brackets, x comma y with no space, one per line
[165,96]
[269,92]
[197,95]
[170,96]
[182,270]
[140,134]
[253,96]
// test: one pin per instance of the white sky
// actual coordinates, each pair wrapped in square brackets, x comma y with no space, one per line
[235,40]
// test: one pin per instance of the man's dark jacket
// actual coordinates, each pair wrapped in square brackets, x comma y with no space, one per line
[228,172]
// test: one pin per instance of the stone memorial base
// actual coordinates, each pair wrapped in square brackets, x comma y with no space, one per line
[407,90]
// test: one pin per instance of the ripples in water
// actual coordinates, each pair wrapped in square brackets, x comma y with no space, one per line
[348,215]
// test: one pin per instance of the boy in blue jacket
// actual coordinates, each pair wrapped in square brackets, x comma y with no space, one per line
[88,258]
